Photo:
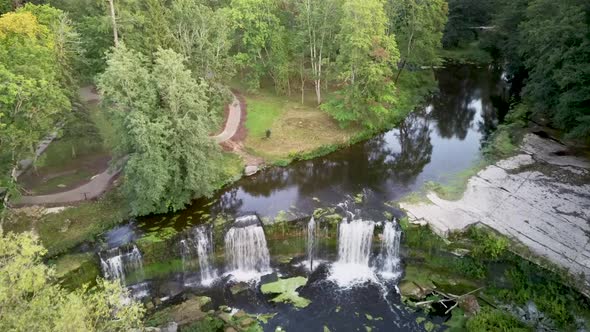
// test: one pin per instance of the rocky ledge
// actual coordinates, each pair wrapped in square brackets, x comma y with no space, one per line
[540,198]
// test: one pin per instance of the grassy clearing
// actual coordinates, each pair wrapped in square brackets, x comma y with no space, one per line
[468,54]
[69,179]
[295,128]
[262,112]
[62,231]
[303,131]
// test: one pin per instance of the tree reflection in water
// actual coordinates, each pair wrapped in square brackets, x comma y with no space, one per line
[416,149]
[433,141]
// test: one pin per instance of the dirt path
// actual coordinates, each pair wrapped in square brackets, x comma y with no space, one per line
[96,187]
[232,123]
[100,182]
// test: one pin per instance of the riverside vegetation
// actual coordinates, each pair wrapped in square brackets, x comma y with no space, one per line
[308,69]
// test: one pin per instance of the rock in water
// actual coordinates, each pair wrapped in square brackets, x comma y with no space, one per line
[250,170]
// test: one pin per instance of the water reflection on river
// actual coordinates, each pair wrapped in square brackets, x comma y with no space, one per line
[433,143]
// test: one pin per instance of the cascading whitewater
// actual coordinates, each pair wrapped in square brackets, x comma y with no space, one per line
[354,242]
[199,244]
[311,229]
[116,263]
[390,263]
[354,250]
[246,252]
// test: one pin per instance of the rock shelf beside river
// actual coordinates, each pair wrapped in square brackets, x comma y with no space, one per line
[540,197]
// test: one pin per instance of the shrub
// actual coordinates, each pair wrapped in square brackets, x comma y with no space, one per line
[489,319]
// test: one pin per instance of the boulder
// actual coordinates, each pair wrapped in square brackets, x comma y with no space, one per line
[224,316]
[412,290]
[240,314]
[250,170]
[239,287]
[268,278]
[469,304]
[188,311]
[247,322]
[170,327]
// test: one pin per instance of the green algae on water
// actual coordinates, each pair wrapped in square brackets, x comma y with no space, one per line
[286,288]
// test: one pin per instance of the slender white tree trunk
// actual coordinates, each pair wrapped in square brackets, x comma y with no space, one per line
[114,22]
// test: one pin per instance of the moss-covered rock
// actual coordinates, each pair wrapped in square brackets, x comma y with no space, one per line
[239,287]
[414,291]
[74,270]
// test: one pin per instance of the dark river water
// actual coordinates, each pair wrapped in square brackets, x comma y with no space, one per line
[435,142]
[440,139]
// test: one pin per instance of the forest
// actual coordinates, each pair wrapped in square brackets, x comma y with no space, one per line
[160,61]
[166,69]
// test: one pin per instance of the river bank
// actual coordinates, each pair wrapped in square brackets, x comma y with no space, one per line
[540,198]
[89,224]
[160,260]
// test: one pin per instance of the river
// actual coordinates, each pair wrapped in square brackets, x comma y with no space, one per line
[434,143]
[438,140]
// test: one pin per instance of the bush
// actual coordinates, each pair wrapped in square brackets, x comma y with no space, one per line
[489,319]
[209,324]
[546,289]
[487,244]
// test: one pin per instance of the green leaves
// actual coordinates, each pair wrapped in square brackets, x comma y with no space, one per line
[33,89]
[366,57]
[548,42]
[164,120]
[31,301]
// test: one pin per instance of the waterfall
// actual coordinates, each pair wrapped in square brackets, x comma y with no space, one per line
[246,252]
[390,251]
[311,243]
[204,244]
[116,263]
[354,251]
[199,244]
[354,242]
[139,291]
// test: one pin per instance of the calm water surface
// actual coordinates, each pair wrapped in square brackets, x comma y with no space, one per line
[438,140]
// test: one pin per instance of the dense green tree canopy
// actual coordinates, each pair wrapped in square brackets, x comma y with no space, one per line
[548,42]
[164,122]
[466,18]
[418,27]
[31,301]
[37,49]
[366,57]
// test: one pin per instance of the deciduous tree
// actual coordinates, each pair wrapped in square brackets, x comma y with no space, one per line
[163,116]
[366,57]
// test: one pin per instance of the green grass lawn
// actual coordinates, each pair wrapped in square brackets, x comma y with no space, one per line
[470,53]
[62,182]
[262,112]
[232,166]
[296,128]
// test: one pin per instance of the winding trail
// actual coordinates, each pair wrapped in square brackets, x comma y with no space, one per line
[101,182]
[232,124]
